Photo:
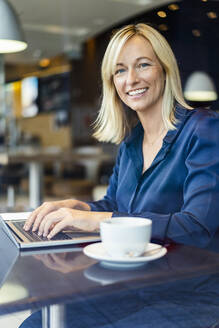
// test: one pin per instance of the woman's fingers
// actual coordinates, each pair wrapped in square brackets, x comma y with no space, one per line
[41,216]
[59,227]
[36,219]
[38,215]
[29,222]
[49,222]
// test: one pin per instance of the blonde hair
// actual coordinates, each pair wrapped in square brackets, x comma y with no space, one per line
[113,122]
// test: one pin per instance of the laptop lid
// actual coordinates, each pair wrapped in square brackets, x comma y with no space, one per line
[25,240]
[8,254]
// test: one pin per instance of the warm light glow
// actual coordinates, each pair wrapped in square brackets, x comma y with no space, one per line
[16,86]
[17,109]
[162,14]
[196,33]
[7,46]
[200,95]
[204,0]
[163,27]
[45,62]
[212,15]
[173,7]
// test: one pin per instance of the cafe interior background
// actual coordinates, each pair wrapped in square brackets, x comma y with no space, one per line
[50,92]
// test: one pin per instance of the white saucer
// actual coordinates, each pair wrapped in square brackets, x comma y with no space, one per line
[97,252]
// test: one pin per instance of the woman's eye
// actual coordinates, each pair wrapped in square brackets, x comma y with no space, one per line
[143,65]
[119,71]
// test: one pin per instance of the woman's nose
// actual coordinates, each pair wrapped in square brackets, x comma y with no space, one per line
[132,76]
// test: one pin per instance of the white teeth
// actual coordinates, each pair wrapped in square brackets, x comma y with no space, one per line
[136,92]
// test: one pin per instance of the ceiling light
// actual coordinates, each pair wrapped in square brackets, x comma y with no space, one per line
[136,2]
[57,29]
[143,2]
[44,62]
[162,14]
[173,7]
[196,32]
[163,27]
[11,34]
[212,14]
[76,31]
[200,87]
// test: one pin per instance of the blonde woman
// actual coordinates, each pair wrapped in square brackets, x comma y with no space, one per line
[167,167]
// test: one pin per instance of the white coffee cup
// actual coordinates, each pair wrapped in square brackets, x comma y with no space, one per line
[125,236]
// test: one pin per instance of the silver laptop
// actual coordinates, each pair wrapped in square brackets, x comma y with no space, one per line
[28,239]
[8,255]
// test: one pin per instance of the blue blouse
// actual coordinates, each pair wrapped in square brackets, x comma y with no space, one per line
[179,192]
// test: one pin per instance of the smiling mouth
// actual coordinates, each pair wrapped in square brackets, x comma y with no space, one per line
[137,92]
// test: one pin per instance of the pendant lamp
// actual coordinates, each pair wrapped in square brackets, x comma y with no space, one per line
[11,40]
[200,88]
[11,34]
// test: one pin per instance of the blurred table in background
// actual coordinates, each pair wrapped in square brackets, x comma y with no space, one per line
[36,158]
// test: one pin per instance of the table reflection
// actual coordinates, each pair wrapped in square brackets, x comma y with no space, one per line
[65,262]
[69,286]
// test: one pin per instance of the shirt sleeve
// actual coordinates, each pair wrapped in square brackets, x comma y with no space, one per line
[198,218]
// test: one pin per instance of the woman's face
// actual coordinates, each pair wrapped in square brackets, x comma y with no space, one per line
[139,78]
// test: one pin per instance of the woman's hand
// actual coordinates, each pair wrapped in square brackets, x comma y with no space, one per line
[66,218]
[39,214]
[65,262]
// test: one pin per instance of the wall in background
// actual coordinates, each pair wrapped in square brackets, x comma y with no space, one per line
[43,126]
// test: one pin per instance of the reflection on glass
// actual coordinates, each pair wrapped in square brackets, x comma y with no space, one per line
[65,262]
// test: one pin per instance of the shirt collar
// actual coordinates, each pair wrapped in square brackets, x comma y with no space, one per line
[181,115]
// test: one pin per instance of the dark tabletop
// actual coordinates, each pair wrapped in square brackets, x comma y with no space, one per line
[183,282]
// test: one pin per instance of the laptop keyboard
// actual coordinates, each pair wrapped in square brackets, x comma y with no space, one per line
[33,236]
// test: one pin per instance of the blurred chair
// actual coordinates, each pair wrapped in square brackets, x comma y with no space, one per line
[10,178]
